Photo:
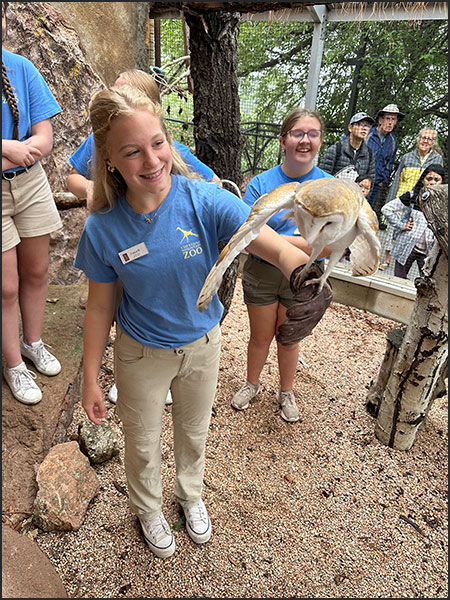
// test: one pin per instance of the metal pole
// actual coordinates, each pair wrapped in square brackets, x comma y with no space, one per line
[319,14]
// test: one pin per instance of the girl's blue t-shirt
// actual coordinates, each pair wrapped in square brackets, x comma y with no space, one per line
[83,159]
[34,99]
[161,287]
[267,181]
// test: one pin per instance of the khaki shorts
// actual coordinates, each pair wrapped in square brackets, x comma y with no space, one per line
[265,284]
[28,208]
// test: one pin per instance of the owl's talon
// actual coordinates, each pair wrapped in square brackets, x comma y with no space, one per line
[312,282]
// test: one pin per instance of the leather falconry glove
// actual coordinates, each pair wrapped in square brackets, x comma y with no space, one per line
[310,307]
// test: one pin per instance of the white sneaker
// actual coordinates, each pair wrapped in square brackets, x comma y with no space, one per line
[289,410]
[169,398]
[44,362]
[112,394]
[21,384]
[198,524]
[242,398]
[158,536]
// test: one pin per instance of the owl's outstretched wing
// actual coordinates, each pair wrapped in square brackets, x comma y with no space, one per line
[365,248]
[278,199]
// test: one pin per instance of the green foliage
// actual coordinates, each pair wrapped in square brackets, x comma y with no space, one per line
[402,62]
[177,105]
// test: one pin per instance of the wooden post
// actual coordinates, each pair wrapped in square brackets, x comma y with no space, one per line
[417,374]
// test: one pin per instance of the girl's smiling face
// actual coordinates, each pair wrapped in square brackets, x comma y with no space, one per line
[301,149]
[139,150]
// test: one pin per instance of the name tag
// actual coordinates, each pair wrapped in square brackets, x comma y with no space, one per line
[133,253]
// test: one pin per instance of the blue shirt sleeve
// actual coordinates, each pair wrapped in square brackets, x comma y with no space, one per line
[34,98]
[83,159]
[90,258]
[193,162]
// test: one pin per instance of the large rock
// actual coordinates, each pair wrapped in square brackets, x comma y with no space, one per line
[121,44]
[67,483]
[26,571]
[41,34]
[63,246]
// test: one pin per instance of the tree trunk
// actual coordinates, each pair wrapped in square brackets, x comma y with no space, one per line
[213,39]
[394,340]
[420,368]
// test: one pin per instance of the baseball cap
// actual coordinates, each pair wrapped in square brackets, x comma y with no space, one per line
[361,116]
[391,108]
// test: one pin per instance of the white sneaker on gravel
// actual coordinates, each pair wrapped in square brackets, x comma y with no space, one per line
[198,524]
[242,398]
[21,384]
[289,410]
[44,362]
[112,396]
[169,400]
[158,536]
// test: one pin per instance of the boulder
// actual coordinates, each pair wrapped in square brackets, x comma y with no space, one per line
[41,34]
[66,485]
[26,571]
[63,247]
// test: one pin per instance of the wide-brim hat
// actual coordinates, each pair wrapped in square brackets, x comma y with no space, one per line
[390,108]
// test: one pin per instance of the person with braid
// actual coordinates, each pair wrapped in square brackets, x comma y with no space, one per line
[29,215]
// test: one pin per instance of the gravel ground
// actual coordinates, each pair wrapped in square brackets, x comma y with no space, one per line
[314,509]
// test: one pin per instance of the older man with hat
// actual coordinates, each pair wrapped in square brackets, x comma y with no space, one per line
[353,150]
[383,143]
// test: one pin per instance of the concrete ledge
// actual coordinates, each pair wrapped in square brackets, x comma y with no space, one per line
[386,296]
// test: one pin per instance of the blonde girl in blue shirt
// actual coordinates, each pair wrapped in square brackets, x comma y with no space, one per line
[156,229]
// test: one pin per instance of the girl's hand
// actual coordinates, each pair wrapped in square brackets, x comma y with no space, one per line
[93,403]
[22,154]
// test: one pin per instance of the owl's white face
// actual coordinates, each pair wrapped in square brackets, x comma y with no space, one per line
[322,231]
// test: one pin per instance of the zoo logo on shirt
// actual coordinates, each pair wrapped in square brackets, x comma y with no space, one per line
[189,248]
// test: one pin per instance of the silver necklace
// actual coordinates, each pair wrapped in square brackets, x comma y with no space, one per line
[148,220]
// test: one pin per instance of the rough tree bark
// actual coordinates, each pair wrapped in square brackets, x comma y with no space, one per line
[213,39]
[420,368]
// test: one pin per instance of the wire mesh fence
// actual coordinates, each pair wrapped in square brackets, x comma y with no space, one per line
[261,149]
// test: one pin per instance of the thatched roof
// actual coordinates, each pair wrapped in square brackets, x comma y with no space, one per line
[353,10]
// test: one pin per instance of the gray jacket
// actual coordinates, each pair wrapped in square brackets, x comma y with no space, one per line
[334,160]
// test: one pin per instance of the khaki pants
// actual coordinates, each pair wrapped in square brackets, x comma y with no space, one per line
[143,377]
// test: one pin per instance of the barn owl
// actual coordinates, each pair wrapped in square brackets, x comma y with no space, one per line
[328,212]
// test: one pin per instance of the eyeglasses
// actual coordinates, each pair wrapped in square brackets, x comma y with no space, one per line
[298,134]
[363,124]
[426,139]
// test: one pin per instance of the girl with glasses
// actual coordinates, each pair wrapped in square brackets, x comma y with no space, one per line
[267,292]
